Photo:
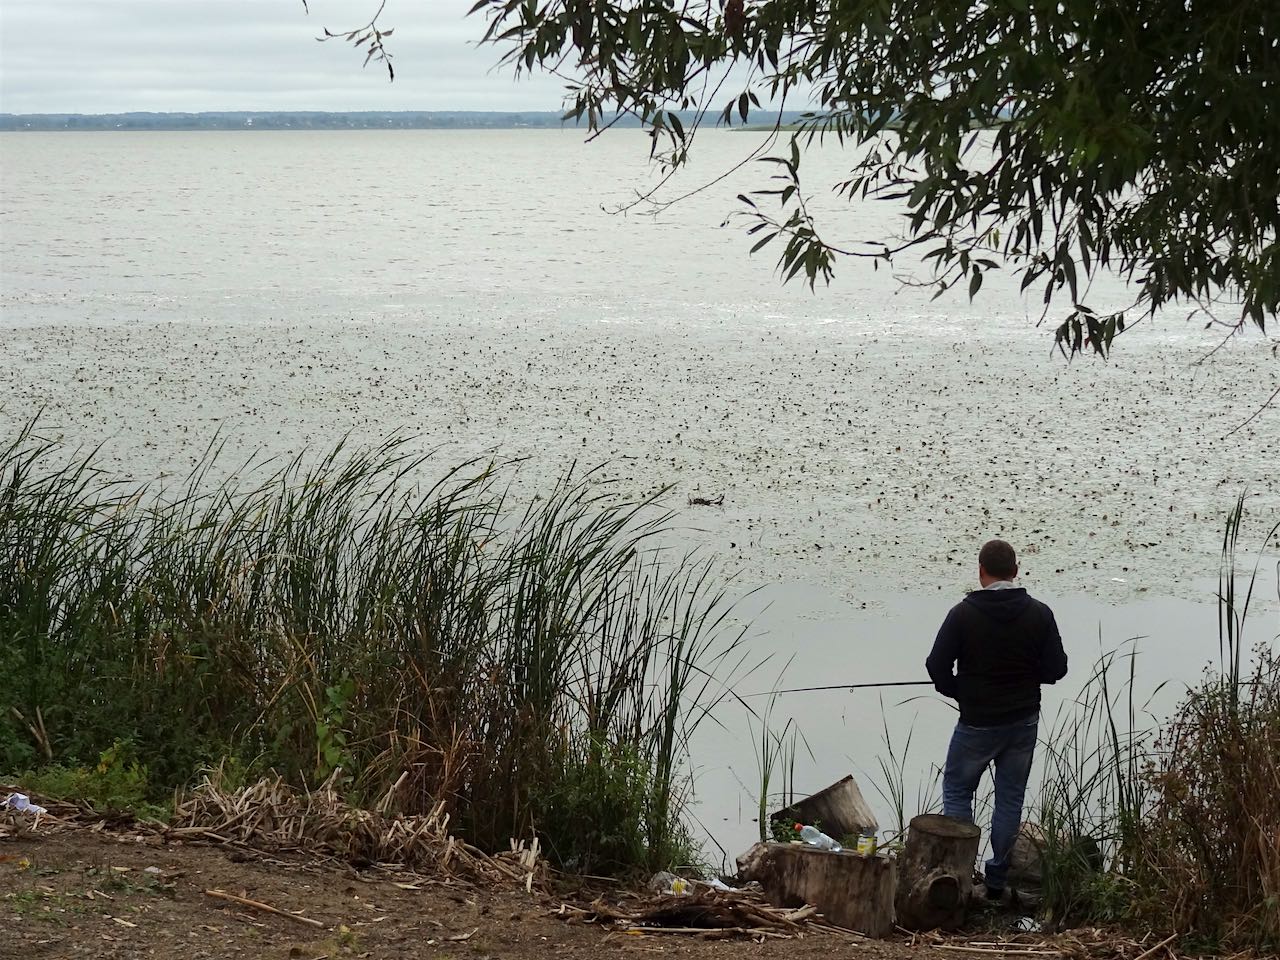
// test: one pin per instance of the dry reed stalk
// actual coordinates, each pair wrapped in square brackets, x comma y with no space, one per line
[263,907]
[270,815]
[1157,948]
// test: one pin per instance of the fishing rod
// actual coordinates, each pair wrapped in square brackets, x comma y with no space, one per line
[847,686]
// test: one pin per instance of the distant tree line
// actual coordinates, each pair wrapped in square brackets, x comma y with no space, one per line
[293,120]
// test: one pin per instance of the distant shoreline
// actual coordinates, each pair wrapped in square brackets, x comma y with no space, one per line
[250,120]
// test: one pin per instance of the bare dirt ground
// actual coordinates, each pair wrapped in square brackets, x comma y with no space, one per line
[84,892]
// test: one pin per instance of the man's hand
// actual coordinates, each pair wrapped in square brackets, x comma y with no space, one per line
[942,659]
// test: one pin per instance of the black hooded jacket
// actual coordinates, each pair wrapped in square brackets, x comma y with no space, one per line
[1003,645]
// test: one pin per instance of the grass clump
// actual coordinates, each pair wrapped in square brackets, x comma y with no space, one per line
[1092,798]
[1175,825]
[1207,854]
[116,782]
[539,668]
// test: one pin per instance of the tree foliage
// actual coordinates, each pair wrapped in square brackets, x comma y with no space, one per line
[1060,138]
[370,33]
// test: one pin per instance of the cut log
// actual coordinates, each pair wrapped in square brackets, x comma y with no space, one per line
[852,891]
[935,872]
[839,811]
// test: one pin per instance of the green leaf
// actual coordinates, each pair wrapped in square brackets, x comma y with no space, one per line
[760,244]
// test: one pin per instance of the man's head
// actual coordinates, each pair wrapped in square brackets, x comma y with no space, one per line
[996,561]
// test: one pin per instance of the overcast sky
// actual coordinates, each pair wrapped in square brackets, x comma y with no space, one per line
[109,56]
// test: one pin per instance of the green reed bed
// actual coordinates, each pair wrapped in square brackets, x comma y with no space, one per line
[1173,824]
[538,667]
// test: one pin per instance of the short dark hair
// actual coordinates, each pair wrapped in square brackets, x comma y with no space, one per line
[998,559]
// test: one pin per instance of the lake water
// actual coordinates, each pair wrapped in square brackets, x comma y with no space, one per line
[475,291]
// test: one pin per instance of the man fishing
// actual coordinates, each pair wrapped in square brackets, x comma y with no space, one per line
[993,651]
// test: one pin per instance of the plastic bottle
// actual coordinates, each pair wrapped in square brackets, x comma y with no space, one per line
[816,838]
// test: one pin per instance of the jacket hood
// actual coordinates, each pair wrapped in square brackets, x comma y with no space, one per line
[1000,605]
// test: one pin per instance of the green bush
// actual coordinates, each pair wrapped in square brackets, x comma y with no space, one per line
[597,809]
[117,782]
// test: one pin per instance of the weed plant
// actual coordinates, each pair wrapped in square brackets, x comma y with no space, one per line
[538,668]
[891,785]
[776,753]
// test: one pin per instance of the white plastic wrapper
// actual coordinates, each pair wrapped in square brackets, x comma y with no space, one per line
[22,803]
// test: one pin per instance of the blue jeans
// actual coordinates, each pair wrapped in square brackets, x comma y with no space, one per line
[972,750]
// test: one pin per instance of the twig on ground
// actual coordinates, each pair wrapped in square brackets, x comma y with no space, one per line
[1013,950]
[264,907]
[1158,947]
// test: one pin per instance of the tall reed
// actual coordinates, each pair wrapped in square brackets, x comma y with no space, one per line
[1208,854]
[1174,824]
[776,754]
[539,668]
[1093,796]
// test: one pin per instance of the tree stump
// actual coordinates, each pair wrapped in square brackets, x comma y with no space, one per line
[851,890]
[1026,864]
[935,872]
[838,811]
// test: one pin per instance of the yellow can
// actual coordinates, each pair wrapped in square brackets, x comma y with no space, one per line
[867,845]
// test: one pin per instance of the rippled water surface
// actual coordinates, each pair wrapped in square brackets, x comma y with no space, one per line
[475,290]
